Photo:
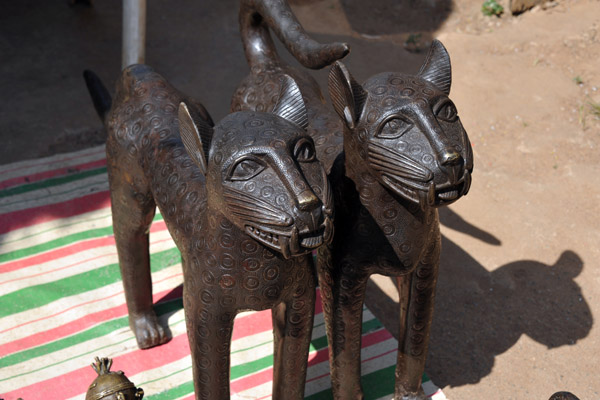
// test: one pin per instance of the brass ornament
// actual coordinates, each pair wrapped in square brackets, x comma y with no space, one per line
[246,201]
[111,385]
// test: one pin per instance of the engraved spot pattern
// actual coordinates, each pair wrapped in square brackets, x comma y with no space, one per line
[226,269]
[402,229]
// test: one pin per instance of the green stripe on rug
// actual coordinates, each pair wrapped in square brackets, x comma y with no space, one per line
[39,295]
[54,228]
[379,383]
[63,241]
[51,182]
[237,371]
[254,366]
[178,391]
[367,327]
[89,188]
[97,331]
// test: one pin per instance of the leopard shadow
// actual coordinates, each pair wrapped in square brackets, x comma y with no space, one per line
[480,314]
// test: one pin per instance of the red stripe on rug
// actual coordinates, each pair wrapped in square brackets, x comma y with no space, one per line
[261,319]
[75,382]
[380,355]
[143,360]
[241,329]
[36,177]
[369,339]
[249,381]
[68,250]
[49,271]
[37,215]
[372,338]
[55,254]
[78,325]
[77,306]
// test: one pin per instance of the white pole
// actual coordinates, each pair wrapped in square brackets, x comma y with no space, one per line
[134,32]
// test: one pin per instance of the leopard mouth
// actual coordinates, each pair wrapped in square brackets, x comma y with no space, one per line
[271,239]
[449,195]
[292,242]
[312,240]
[429,194]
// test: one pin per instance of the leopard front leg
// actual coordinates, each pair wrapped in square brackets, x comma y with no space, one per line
[133,209]
[417,293]
[292,328]
[209,329]
[343,292]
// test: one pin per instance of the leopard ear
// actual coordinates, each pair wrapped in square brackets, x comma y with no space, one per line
[290,104]
[195,136]
[436,68]
[347,96]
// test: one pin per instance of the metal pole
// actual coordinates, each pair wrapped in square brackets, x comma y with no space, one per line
[134,32]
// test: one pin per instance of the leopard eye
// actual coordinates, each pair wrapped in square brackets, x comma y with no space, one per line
[394,128]
[447,112]
[304,151]
[246,169]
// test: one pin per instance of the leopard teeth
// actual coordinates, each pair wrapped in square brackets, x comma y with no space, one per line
[312,242]
[294,245]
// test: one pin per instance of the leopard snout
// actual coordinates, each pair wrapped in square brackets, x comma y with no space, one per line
[308,201]
[453,164]
[451,158]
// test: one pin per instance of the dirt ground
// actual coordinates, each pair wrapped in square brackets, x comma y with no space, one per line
[519,287]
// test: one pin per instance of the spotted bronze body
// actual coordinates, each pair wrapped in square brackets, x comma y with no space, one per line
[395,151]
[258,91]
[246,202]
[405,154]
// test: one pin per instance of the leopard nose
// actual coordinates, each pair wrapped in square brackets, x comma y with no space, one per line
[450,158]
[307,200]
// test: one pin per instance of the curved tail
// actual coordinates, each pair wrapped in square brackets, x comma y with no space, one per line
[100,96]
[257,16]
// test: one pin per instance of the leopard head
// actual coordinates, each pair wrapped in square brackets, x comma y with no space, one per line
[406,130]
[262,173]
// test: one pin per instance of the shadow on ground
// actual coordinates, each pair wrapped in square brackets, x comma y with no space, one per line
[45,108]
[481,314]
[386,17]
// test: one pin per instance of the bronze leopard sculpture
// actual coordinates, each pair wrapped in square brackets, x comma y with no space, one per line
[394,153]
[405,154]
[246,202]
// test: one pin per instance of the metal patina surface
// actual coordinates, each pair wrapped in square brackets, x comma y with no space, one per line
[405,154]
[258,91]
[110,385]
[246,202]
[395,152]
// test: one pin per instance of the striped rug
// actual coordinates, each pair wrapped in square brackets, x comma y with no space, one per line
[62,303]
